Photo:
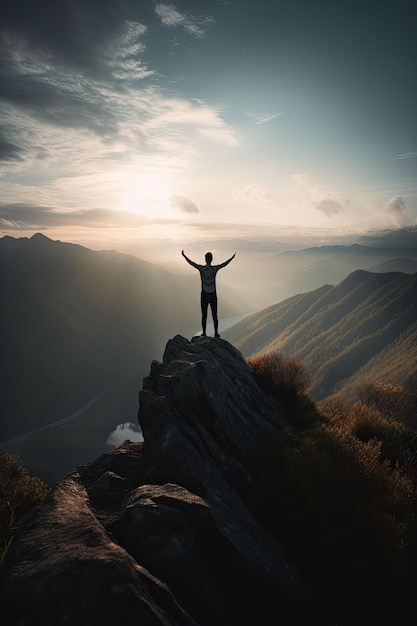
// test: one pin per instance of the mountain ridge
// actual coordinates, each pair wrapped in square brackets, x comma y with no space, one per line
[336,330]
[291,272]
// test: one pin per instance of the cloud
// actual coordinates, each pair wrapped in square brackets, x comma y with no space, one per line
[104,91]
[38,87]
[70,33]
[322,199]
[406,155]
[328,206]
[398,238]
[194,114]
[263,118]
[221,133]
[301,180]
[396,205]
[171,17]
[254,193]
[68,102]
[6,224]
[9,151]
[396,208]
[183,203]
[81,111]
[31,217]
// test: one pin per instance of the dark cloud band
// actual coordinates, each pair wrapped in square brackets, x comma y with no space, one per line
[27,216]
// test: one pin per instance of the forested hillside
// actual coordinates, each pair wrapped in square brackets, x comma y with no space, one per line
[364,328]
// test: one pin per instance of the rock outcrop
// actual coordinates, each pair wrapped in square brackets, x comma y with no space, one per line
[166,532]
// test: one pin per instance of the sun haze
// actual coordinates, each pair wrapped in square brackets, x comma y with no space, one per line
[152,122]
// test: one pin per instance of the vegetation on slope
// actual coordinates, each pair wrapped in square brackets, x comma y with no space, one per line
[342,494]
[19,492]
[363,328]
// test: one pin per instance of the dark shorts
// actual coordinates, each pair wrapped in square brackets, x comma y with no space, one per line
[209,299]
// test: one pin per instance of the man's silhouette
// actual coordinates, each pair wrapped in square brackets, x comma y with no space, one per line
[208,288]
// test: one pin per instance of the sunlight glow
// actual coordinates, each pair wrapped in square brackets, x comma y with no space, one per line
[147,193]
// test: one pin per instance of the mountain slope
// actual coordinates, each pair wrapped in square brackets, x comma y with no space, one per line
[364,327]
[74,322]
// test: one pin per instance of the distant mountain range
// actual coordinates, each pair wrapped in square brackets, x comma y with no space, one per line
[364,328]
[275,277]
[406,266]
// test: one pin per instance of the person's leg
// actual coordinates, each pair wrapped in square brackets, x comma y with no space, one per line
[213,304]
[204,306]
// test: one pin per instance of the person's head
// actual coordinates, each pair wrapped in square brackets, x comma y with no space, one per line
[209,257]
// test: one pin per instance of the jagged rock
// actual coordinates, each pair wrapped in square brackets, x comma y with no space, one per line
[165,532]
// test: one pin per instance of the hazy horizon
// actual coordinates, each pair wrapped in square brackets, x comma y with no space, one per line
[259,243]
[151,126]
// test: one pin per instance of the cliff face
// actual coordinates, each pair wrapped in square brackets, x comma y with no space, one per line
[165,532]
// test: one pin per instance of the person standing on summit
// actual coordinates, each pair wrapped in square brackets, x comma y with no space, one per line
[208,288]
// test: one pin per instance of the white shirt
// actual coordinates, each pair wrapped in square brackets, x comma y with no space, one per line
[208,274]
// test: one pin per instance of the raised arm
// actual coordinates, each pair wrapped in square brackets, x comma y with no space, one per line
[226,262]
[189,260]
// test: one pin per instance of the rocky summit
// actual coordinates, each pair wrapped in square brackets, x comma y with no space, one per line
[166,531]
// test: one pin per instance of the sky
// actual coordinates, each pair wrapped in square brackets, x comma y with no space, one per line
[141,126]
